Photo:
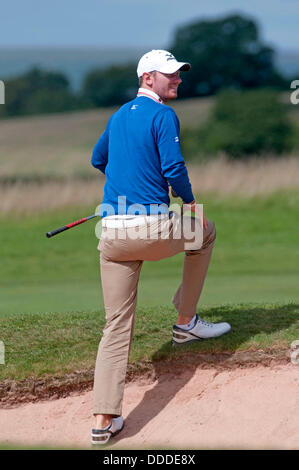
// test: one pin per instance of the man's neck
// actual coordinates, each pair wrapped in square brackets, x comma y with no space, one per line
[144,91]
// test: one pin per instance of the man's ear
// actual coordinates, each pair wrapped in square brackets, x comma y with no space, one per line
[147,78]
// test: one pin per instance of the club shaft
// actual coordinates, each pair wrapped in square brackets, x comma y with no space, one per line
[71,225]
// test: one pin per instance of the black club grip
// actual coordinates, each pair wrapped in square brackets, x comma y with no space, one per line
[55,232]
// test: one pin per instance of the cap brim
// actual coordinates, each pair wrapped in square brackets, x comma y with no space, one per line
[174,66]
[185,66]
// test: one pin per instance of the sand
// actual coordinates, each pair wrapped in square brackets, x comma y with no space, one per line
[241,408]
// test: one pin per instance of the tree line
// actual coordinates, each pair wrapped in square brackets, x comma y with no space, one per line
[224,53]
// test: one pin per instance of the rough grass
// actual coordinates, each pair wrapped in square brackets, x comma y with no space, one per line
[242,179]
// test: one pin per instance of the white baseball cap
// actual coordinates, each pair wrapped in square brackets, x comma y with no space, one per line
[160,60]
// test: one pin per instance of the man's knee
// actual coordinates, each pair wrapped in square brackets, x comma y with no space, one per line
[208,239]
[209,235]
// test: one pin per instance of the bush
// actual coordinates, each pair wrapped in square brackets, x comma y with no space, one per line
[244,123]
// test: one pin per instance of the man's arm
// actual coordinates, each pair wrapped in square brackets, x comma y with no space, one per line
[172,163]
[99,157]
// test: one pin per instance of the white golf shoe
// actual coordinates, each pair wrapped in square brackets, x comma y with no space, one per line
[201,330]
[102,436]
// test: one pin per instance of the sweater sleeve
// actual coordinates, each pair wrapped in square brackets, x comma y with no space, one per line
[99,158]
[173,166]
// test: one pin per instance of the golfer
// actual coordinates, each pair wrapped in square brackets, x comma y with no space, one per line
[139,153]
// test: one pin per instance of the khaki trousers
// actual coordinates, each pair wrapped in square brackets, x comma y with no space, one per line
[122,254]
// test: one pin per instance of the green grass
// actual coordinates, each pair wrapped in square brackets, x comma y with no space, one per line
[38,344]
[256,259]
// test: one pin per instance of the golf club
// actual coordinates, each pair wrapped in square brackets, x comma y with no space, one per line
[68,226]
[81,221]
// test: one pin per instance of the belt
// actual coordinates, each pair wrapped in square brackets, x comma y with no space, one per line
[133,222]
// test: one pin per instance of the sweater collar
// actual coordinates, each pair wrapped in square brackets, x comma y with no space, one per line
[149,94]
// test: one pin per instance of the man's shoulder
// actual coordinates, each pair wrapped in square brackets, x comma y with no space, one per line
[125,106]
[153,110]
[166,113]
[165,109]
[122,110]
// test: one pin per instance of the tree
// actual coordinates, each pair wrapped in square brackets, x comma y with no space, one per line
[38,91]
[224,53]
[111,86]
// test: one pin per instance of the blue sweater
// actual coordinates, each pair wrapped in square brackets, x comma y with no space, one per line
[139,153]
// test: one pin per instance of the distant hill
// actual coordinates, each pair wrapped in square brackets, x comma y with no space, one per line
[75,63]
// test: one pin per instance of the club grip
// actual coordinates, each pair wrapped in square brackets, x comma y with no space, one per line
[58,230]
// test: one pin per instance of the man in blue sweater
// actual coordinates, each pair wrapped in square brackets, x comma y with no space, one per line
[139,153]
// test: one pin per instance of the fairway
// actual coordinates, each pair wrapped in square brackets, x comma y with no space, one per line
[256,259]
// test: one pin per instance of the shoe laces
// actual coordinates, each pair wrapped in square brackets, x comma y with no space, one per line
[206,323]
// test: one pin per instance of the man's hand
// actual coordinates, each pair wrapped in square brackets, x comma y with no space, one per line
[192,206]
[173,193]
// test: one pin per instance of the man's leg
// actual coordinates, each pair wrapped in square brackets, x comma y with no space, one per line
[196,265]
[190,327]
[119,283]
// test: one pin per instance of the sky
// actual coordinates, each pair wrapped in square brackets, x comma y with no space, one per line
[134,23]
